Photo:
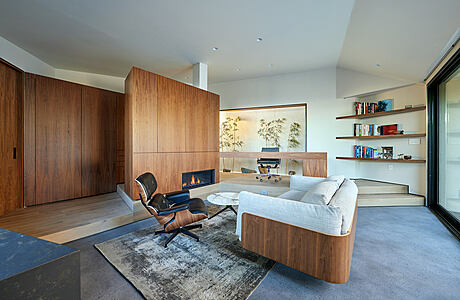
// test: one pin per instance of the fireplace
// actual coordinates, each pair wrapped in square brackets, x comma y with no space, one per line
[191,180]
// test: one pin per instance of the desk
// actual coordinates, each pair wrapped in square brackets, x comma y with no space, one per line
[313,163]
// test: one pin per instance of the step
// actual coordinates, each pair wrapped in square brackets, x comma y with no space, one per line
[370,187]
[386,199]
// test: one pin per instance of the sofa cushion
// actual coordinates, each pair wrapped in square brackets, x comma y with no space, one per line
[321,193]
[303,183]
[292,195]
[337,178]
[322,218]
[345,199]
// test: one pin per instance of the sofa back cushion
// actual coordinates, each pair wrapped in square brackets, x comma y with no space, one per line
[345,199]
[304,183]
[321,193]
[337,178]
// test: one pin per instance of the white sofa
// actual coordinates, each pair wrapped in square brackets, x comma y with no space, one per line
[333,218]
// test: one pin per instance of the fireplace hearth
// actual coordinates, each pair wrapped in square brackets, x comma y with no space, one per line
[191,180]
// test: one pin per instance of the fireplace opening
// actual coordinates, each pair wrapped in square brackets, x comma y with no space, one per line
[191,180]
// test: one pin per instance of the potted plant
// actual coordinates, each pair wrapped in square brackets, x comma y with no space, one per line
[229,138]
[270,131]
[293,143]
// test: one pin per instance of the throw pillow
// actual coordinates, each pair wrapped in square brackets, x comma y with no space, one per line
[321,193]
[337,178]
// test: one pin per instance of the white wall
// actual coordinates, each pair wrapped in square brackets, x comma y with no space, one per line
[23,59]
[316,88]
[111,83]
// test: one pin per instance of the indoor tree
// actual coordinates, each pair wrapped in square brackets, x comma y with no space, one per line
[293,142]
[229,138]
[271,131]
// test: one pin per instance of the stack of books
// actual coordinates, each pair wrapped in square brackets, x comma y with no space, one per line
[374,130]
[364,152]
[361,108]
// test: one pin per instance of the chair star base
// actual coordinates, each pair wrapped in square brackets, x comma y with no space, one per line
[184,230]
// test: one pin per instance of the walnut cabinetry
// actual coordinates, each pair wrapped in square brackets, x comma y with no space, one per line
[170,128]
[71,134]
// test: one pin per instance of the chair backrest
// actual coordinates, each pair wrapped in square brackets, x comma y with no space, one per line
[148,185]
[270,149]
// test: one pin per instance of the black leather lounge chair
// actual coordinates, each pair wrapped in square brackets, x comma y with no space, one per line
[175,211]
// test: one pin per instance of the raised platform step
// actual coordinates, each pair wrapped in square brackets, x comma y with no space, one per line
[386,199]
[371,187]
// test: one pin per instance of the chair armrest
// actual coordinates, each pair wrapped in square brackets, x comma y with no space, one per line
[173,209]
[303,183]
[178,196]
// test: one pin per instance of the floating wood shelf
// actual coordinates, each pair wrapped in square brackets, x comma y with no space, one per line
[383,113]
[384,160]
[389,136]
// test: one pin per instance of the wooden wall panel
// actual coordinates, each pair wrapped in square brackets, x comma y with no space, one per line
[145,126]
[129,179]
[29,140]
[99,115]
[213,122]
[197,112]
[120,164]
[11,182]
[171,115]
[58,140]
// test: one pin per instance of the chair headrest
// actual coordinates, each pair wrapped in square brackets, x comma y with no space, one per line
[148,184]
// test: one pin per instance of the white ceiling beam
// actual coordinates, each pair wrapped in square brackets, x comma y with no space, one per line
[200,76]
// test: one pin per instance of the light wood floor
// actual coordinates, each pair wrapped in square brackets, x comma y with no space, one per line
[72,219]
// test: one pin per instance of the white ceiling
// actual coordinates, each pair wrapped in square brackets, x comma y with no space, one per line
[167,37]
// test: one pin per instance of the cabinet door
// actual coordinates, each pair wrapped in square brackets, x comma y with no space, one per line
[10,146]
[196,120]
[58,140]
[171,115]
[99,128]
[120,165]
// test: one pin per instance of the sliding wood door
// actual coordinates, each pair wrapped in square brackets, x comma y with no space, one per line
[10,139]
[58,140]
[98,141]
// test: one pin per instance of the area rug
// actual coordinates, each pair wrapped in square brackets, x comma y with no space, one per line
[217,267]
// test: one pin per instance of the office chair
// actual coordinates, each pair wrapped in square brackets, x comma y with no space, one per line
[268,164]
[175,211]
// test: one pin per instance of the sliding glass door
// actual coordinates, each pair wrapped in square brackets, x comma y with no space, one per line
[444,144]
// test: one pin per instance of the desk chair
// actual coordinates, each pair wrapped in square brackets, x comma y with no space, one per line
[175,211]
[268,164]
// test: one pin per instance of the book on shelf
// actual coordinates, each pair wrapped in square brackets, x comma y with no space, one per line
[361,108]
[375,130]
[365,152]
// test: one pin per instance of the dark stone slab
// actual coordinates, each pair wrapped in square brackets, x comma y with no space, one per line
[31,268]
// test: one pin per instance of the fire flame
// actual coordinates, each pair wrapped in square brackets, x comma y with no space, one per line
[192,181]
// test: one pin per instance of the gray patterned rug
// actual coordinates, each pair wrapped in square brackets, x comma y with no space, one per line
[217,267]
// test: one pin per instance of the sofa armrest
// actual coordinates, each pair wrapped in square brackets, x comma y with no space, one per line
[303,183]
[320,218]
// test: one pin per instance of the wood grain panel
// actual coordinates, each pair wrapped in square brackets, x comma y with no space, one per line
[327,257]
[99,112]
[171,115]
[29,140]
[196,137]
[58,140]
[314,167]
[213,122]
[144,116]
[119,168]
[11,183]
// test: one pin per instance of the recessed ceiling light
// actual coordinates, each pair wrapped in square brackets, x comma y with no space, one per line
[377,65]
[215,49]
[237,69]
[259,39]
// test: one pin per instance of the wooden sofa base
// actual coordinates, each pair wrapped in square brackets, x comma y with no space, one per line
[326,257]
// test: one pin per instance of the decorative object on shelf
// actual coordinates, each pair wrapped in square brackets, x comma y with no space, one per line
[229,140]
[387,152]
[407,157]
[291,173]
[385,105]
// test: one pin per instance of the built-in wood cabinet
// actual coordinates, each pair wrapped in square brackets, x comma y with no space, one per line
[72,135]
[11,183]
[58,140]
[170,128]
[99,137]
